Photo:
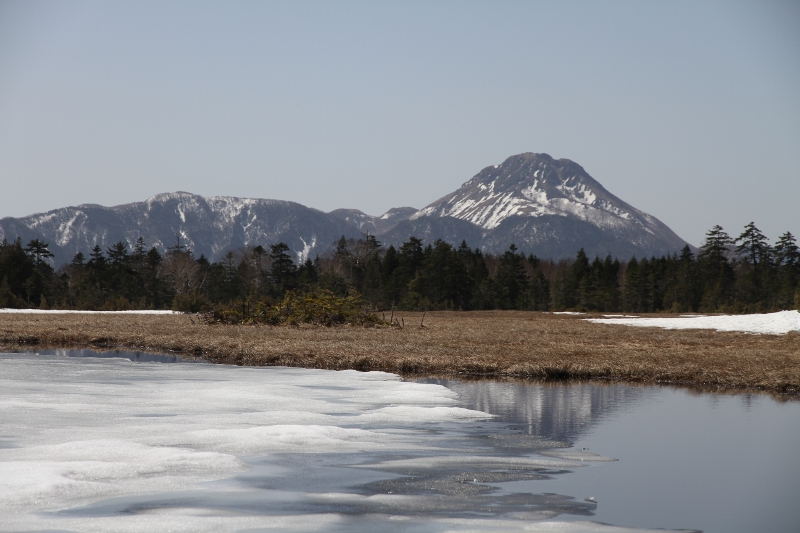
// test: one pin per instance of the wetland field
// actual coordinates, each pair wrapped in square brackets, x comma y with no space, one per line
[497,344]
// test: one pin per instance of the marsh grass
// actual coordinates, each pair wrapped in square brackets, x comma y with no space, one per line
[497,344]
[320,308]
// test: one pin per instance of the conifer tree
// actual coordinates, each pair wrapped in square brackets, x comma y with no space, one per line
[96,258]
[39,251]
[391,289]
[308,275]
[260,260]
[511,280]
[787,255]
[717,273]
[138,255]
[38,286]
[540,292]
[283,271]
[687,289]
[154,285]
[754,254]
[441,282]
[117,255]
[573,285]
[754,248]
[16,268]
[478,276]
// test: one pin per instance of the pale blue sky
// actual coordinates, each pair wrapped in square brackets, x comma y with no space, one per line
[687,110]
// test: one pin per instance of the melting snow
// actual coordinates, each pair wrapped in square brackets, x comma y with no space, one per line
[111,445]
[70,311]
[66,229]
[488,204]
[770,323]
[302,255]
[86,430]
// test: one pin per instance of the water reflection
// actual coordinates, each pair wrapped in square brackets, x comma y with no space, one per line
[720,462]
[557,411]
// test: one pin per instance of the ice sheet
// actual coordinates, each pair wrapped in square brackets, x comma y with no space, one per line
[769,323]
[113,445]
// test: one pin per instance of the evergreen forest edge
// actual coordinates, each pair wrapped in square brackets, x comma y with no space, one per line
[741,275]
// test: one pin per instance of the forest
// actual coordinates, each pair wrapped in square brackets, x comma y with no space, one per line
[745,274]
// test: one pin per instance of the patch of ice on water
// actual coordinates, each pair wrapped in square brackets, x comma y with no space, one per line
[465,462]
[769,323]
[415,415]
[90,429]
[577,455]
[281,438]
[72,311]
[78,470]
[108,445]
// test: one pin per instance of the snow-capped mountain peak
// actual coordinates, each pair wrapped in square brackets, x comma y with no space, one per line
[550,207]
[546,204]
[530,185]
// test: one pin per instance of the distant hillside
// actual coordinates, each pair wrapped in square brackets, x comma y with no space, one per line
[210,226]
[374,225]
[549,207]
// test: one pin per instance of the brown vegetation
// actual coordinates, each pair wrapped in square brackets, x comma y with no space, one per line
[491,344]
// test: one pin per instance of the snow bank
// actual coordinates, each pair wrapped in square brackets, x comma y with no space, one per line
[769,323]
[72,311]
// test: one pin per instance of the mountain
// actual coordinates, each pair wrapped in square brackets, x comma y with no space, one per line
[211,226]
[371,224]
[549,207]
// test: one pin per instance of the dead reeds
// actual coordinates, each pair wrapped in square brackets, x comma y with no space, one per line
[491,344]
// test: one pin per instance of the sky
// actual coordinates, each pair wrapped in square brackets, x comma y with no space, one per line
[688,110]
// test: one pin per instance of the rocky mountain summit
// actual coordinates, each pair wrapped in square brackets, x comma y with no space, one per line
[549,207]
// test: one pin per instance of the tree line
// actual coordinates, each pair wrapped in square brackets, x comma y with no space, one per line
[740,275]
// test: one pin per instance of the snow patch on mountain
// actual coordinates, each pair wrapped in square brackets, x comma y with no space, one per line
[304,253]
[543,205]
[536,185]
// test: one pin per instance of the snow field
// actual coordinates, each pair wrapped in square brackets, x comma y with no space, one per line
[778,323]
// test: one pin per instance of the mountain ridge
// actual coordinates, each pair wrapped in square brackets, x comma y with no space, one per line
[550,207]
[208,225]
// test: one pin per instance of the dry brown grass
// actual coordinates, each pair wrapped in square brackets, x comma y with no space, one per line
[493,343]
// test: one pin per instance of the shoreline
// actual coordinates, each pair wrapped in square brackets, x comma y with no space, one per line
[517,345]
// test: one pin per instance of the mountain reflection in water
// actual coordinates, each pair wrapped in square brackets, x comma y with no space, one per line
[554,410]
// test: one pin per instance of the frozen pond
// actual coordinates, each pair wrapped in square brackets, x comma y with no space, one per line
[118,444]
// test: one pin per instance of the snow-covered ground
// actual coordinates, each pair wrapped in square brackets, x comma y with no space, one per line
[65,311]
[769,323]
[90,444]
